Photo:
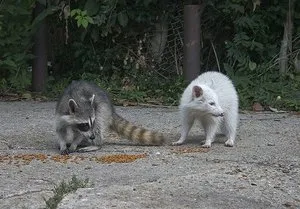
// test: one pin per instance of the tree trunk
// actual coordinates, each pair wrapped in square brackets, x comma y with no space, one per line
[191,63]
[159,39]
[286,43]
[39,66]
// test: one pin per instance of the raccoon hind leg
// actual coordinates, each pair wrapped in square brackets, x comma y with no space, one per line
[187,121]
[230,126]
[103,123]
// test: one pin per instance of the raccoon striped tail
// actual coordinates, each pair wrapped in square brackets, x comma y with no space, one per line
[136,134]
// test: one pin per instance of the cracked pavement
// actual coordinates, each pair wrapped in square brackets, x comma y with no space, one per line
[261,171]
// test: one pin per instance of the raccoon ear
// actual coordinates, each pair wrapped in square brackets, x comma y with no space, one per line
[72,106]
[197,91]
[92,99]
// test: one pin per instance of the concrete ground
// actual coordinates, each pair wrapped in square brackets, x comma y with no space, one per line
[261,171]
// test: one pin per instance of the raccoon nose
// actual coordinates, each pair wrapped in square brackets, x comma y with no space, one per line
[222,114]
[92,137]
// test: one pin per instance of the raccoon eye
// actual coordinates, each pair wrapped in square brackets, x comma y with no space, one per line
[212,103]
[83,127]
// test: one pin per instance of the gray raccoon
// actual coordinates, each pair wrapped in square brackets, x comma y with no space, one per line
[85,111]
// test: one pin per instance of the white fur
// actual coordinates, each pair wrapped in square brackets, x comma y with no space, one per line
[216,108]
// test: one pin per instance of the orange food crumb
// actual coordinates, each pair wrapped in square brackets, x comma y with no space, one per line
[119,158]
[25,159]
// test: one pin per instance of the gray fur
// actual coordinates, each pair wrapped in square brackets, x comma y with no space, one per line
[84,111]
[88,101]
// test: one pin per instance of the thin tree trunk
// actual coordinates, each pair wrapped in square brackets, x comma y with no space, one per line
[39,66]
[286,43]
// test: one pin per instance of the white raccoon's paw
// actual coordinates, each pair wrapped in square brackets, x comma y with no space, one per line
[206,145]
[177,143]
[229,143]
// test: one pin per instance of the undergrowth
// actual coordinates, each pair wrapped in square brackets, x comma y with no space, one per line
[282,92]
[63,189]
[269,90]
[146,88]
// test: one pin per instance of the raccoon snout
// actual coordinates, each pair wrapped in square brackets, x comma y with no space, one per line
[219,114]
[92,137]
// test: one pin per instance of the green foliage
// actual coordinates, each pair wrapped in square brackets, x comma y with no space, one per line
[82,18]
[63,189]
[252,37]
[114,16]
[268,88]
[15,44]
[109,41]
[141,88]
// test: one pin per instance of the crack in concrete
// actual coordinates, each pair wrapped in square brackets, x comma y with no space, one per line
[22,193]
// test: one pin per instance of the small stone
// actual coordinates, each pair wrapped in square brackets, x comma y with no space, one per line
[285,171]
[288,204]
[216,160]
[257,107]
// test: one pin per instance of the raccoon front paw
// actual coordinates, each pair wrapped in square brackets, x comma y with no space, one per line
[229,143]
[64,152]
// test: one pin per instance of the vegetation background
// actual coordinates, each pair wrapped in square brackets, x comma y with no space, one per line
[134,48]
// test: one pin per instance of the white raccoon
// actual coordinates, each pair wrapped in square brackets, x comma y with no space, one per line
[212,99]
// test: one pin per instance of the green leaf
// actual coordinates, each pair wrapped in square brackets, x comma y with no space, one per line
[92,7]
[89,19]
[84,23]
[74,11]
[78,17]
[79,22]
[123,18]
